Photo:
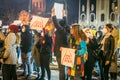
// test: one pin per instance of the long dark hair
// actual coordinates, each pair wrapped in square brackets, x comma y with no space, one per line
[78,33]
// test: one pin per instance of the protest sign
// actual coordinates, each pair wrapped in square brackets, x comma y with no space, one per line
[58,10]
[38,23]
[68,57]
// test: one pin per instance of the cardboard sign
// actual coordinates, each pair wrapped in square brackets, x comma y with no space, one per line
[38,23]
[68,57]
[58,10]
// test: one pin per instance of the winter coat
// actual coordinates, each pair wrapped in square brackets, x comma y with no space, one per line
[83,48]
[113,66]
[92,46]
[62,34]
[26,40]
[46,48]
[108,48]
[10,49]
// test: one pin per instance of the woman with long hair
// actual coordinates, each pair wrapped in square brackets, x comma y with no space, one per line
[78,42]
[108,50]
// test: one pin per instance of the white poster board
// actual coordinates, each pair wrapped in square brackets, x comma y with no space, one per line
[58,10]
[38,23]
[68,57]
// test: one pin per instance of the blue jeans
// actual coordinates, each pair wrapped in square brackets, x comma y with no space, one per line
[26,59]
[18,51]
[98,67]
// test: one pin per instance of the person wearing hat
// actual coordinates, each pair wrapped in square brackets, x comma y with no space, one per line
[10,55]
[108,50]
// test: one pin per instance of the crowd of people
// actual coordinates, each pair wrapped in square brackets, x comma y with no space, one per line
[91,46]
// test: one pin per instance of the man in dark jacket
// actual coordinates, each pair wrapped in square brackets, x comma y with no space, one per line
[61,33]
[26,49]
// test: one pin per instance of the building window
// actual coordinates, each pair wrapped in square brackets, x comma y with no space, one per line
[102,17]
[83,17]
[112,16]
[92,17]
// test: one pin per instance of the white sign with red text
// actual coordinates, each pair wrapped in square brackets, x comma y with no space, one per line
[68,57]
[38,22]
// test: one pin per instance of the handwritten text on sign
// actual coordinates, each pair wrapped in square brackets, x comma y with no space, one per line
[68,57]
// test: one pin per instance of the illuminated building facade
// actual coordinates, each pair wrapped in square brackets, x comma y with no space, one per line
[38,6]
[98,12]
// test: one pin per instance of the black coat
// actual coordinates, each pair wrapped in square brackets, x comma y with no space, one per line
[46,48]
[108,48]
[62,34]
[26,40]
[92,46]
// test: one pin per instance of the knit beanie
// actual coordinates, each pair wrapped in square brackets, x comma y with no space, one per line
[14,28]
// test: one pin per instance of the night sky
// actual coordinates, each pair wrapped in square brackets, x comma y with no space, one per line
[9,9]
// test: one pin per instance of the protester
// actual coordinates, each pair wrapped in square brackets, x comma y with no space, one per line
[2,38]
[10,55]
[99,36]
[61,40]
[77,41]
[18,41]
[113,66]
[36,54]
[26,49]
[45,50]
[108,50]
[92,47]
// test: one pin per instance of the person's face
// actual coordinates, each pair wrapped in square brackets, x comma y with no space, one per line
[88,33]
[23,29]
[72,31]
[8,30]
[105,30]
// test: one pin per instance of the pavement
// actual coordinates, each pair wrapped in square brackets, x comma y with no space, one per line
[55,73]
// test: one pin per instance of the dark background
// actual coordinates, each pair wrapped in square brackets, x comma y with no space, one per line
[9,9]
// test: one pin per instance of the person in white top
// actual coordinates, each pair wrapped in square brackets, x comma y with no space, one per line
[10,55]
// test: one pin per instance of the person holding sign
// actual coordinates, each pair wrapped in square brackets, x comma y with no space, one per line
[62,34]
[78,42]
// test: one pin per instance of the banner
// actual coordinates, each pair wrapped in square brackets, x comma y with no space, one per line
[38,23]
[68,57]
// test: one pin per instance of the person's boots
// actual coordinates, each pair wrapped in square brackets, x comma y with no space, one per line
[38,76]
